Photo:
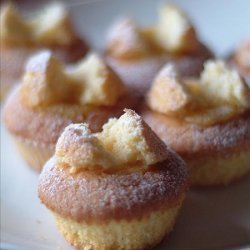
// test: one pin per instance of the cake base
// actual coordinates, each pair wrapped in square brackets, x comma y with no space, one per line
[120,235]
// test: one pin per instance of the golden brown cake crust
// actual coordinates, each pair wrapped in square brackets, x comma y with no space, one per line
[99,197]
[46,124]
[193,141]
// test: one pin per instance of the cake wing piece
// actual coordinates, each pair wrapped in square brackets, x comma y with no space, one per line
[91,82]
[52,25]
[124,141]
[175,32]
[131,140]
[126,41]
[168,94]
[221,85]
[79,148]
[101,86]
[13,27]
[44,81]
[216,96]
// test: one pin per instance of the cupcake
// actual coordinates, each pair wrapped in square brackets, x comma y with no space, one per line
[120,188]
[241,60]
[22,36]
[137,53]
[206,120]
[50,97]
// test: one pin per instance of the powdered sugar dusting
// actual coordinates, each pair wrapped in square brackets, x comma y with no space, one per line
[169,70]
[87,197]
[187,138]
[72,134]
[39,62]
[125,38]
[126,32]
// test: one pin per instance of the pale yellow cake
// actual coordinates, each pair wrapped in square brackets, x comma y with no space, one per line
[206,120]
[119,189]
[52,96]
[22,36]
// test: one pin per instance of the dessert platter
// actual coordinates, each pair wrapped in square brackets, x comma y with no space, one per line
[123,127]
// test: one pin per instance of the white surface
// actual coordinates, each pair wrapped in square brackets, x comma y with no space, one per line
[216,218]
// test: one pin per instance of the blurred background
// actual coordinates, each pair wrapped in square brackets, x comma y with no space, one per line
[222,24]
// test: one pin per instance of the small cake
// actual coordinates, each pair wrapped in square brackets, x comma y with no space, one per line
[206,120]
[120,188]
[241,60]
[50,97]
[21,36]
[137,53]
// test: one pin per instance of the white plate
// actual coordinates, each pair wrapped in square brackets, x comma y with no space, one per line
[217,218]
